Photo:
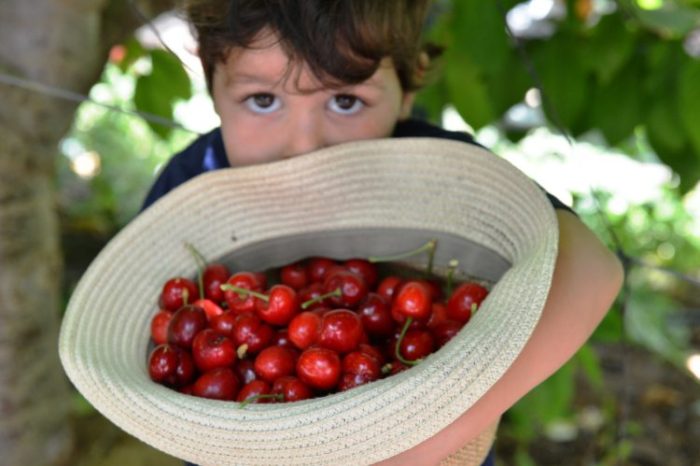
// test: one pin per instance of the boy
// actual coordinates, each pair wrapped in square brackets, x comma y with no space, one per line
[288,77]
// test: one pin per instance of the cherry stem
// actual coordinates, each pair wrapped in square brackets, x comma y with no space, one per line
[185,297]
[452,266]
[428,246]
[243,292]
[397,351]
[201,264]
[254,398]
[242,350]
[335,293]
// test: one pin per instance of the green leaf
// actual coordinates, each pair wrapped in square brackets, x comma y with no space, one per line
[133,50]
[157,92]
[564,81]
[590,364]
[672,19]
[608,48]
[617,107]
[467,91]
[689,101]
[664,127]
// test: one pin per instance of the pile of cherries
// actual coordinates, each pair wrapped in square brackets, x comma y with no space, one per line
[324,326]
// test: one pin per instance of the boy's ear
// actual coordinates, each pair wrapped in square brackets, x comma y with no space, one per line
[407,105]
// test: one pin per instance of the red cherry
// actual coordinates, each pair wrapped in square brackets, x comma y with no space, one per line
[352,288]
[319,368]
[211,350]
[185,325]
[245,370]
[218,384]
[281,338]
[177,292]
[445,331]
[465,300]
[211,309]
[365,269]
[373,351]
[435,289]
[311,294]
[438,314]
[213,276]
[169,365]
[417,344]
[294,275]
[162,363]
[388,286]
[305,329]
[361,363]
[282,305]
[317,268]
[240,302]
[375,316]
[250,331]
[252,391]
[341,330]
[223,324]
[274,362]
[291,389]
[159,326]
[413,300]
[349,380]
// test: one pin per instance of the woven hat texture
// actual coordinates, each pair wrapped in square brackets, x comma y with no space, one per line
[352,200]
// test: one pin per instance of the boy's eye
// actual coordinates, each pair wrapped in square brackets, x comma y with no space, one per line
[262,103]
[345,104]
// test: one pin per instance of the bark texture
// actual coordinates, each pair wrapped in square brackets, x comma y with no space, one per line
[61,43]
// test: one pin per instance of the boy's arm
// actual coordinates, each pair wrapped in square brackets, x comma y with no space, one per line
[587,278]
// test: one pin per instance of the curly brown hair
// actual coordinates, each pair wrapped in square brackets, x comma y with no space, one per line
[341,41]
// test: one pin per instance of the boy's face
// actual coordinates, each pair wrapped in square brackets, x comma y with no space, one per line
[268,114]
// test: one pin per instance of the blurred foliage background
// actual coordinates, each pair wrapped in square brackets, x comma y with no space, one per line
[597,100]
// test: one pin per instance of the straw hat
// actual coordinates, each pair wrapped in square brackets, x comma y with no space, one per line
[351,200]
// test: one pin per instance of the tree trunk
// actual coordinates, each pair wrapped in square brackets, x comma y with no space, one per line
[62,43]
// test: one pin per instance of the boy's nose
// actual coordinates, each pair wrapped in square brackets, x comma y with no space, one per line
[306,135]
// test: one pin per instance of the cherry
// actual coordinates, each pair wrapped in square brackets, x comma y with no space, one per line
[350,380]
[305,329]
[352,288]
[219,384]
[291,388]
[361,363]
[177,292]
[169,365]
[317,268]
[281,338]
[159,326]
[250,334]
[465,300]
[415,345]
[185,324]
[445,331]
[375,315]
[211,309]
[245,370]
[295,275]
[373,351]
[252,391]
[213,276]
[310,296]
[388,287]
[438,314]
[319,368]
[241,302]
[364,269]
[413,300]
[280,306]
[211,350]
[274,362]
[341,330]
[223,323]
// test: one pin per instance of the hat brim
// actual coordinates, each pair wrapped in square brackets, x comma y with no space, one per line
[352,200]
